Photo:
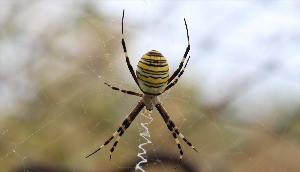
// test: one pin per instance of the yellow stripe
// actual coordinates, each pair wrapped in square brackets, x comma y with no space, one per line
[154,57]
[153,73]
[153,68]
[152,80]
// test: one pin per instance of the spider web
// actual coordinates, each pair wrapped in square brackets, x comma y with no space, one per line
[146,135]
[237,102]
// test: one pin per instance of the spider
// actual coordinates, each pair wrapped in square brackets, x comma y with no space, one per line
[152,77]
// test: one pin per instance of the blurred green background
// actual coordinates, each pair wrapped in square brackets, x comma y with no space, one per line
[241,112]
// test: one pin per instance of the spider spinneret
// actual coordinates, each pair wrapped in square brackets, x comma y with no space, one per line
[152,77]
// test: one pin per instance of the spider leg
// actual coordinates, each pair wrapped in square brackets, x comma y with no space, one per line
[126,54]
[126,123]
[170,85]
[124,91]
[171,124]
[178,144]
[184,56]
[182,136]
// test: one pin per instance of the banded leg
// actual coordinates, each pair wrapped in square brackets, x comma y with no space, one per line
[124,91]
[171,126]
[126,123]
[179,147]
[126,54]
[181,135]
[177,78]
[177,142]
[184,56]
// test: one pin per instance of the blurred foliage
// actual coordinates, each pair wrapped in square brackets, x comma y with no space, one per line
[72,112]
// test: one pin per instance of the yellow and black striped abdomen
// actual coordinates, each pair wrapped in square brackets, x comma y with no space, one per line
[153,73]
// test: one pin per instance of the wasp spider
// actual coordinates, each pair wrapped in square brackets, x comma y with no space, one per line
[152,77]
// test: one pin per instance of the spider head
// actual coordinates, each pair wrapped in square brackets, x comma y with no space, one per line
[150,101]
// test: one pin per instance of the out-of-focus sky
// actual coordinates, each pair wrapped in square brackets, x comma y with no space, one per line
[252,46]
[249,44]
[237,101]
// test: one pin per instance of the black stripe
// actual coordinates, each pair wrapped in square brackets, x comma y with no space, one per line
[151,76]
[162,113]
[186,51]
[123,45]
[154,73]
[154,65]
[154,53]
[107,141]
[152,86]
[147,82]
[126,123]
[160,71]
[154,60]
[115,144]
[159,84]
[151,93]
[174,135]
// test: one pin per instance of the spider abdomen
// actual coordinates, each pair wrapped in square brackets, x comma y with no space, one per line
[153,73]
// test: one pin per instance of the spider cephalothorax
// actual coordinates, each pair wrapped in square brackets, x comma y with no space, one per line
[152,77]
[150,101]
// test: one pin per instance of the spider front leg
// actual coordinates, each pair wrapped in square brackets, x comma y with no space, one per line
[126,54]
[126,123]
[184,56]
[171,126]
[170,85]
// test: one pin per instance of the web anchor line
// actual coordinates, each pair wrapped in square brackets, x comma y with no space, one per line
[145,135]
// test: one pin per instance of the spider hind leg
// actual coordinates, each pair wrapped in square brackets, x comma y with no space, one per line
[182,136]
[171,126]
[125,124]
[178,145]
